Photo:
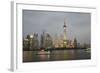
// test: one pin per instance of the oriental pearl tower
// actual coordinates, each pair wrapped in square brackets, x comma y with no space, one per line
[64,35]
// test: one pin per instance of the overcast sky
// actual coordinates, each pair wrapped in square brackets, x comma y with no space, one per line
[78,24]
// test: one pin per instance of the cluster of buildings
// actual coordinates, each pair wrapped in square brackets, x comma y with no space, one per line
[31,42]
[62,41]
[47,41]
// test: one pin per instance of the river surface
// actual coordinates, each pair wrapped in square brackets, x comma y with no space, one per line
[56,55]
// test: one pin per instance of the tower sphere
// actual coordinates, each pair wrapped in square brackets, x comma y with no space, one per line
[64,25]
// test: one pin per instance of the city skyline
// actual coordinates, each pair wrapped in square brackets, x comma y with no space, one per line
[78,24]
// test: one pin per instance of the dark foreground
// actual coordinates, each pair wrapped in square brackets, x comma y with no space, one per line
[56,55]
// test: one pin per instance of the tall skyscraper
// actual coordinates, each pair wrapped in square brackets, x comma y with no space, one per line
[65,35]
[75,43]
[35,41]
[42,40]
[25,44]
[46,41]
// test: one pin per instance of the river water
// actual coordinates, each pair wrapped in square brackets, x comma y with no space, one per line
[56,55]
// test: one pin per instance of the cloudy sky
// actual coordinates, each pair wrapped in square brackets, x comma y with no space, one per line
[78,24]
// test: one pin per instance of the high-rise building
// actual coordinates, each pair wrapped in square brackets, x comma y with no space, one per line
[42,42]
[31,42]
[35,41]
[25,44]
[55,41]
[46,41]
[75,43]
[65,35]
[60,41]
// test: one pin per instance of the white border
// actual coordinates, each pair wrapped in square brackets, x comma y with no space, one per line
[17,37]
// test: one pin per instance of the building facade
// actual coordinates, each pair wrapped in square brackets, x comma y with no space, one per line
[46,41]
[31,42]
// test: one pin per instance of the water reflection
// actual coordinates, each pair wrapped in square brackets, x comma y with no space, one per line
[55,55]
